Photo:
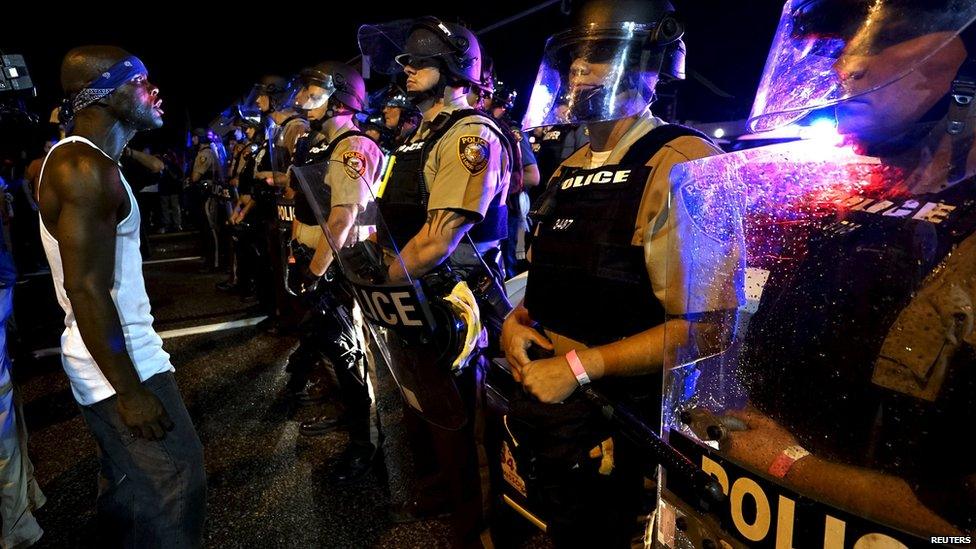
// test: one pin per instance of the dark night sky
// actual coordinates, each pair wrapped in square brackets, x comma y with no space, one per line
[202,56]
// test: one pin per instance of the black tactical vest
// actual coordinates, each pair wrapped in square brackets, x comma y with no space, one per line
[285,206]
[307,152]
[586,280]
[403,205]
[550,148]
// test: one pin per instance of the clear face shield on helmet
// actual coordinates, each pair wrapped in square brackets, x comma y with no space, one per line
[381,45]
[225,122]
[831,52]
[604,73]
[309,90]
[257,103]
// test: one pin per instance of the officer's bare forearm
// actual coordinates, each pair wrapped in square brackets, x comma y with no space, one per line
[101,330]
[885,498]
[341,219]
[434,243]
[151,163]
[642,353]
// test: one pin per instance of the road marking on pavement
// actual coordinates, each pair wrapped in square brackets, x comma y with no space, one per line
[179,332]
[150,262]
[173,260]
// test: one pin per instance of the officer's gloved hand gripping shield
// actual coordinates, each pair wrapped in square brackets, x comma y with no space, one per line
[415,326]
[805,71]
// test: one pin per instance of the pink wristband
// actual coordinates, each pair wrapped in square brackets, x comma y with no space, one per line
[577,367]
[785,460]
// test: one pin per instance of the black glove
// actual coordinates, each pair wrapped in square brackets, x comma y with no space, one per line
[365,260]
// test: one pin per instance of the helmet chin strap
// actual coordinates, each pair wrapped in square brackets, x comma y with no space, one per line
[426,99]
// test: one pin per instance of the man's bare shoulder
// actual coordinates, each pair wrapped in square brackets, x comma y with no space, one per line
[78,173]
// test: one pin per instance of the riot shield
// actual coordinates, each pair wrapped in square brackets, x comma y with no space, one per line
[824,403]
[225,122]
[425,331]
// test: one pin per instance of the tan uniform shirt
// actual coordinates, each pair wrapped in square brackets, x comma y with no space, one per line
[355,168]
[468,167]
[204,163]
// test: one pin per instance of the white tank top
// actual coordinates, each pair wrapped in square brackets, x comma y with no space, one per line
[145,347]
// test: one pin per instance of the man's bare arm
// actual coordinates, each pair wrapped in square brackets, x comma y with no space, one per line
[87,193]
[433,244]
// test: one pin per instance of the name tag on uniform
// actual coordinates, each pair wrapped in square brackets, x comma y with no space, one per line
[604,177]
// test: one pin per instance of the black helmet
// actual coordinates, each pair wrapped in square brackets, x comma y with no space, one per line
[203,135]
[271,86]
[503,96]
[394,96]
[453,45]
[347,84]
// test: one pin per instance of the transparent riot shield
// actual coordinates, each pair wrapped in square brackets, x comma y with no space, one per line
[424,331]
[278,153]
[225,122]
[818,375]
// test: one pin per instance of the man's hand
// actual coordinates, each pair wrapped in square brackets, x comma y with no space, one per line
[550,380]
[143,414]
[759,445]
[516,337]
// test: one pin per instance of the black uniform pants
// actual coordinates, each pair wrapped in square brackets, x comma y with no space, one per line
[329,335]
[581,506]
[454,468]
[584,508]
[286,310]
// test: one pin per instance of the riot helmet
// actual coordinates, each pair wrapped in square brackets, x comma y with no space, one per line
[422,43]
[325,84]
[847,54]
[608,63]
[266,96]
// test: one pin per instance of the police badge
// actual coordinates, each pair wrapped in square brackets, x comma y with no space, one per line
[473,152]
[354,163]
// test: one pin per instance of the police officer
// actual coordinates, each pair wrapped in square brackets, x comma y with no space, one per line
[248,219]
[262,209]
[499,104]
[553,144]
[241,279]
[400,116]
[204,178]
[443,203]
[284,125]
[331,93]
[858,361]
[597,288]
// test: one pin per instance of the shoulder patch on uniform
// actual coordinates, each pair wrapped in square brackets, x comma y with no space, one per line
[354,163]
[474,153]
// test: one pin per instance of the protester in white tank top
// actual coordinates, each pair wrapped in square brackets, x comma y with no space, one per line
[145,347]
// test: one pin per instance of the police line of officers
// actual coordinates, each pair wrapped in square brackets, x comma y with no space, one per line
[385,244]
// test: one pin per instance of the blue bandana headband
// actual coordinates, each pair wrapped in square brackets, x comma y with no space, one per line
[115,77]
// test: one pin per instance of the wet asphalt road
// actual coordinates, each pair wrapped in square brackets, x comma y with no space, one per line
[267,484]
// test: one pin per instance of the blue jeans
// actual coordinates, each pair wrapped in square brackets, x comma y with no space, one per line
[150,493]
